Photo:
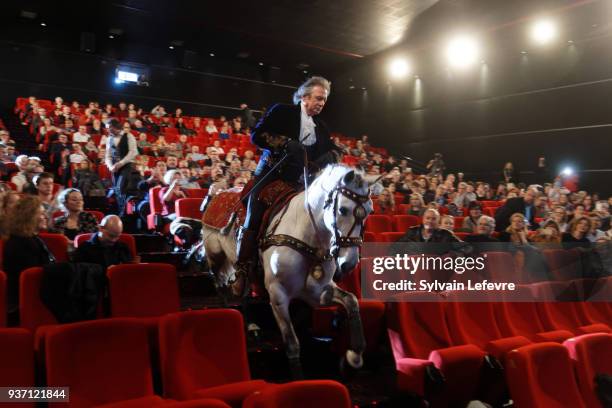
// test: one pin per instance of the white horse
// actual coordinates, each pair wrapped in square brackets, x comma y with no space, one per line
[314,239]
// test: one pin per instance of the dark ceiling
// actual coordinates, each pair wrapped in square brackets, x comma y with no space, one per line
[332,37]
[289,34]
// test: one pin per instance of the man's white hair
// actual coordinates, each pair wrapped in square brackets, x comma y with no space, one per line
[307,87]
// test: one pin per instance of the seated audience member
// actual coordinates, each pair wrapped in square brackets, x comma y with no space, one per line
[579,211]
[183,143]
[447,222]
[97,128]
[541,207]
[81,136]
[24,248]
[523,205]
[91,150]
[602,209]
[88,181]
[224,133]
[417,205]
[485,227]
[210,127]
[576,236]
[429,231]
[104,247]
[75,221]
[8,199]
[516,232]
[464,197]
[595,233]
[24,175]
[471,221]
[549,233]
[161,144]
[44,186]
[168,195]
[77,156]
[559,216]
[386,203]
[143,144]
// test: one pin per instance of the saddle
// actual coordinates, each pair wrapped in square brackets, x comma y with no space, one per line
[275,196]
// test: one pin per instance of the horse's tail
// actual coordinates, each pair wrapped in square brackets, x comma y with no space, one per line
[230,224]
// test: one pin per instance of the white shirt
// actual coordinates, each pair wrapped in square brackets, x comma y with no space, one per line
[77,158]
[308,135]
[129,157]
[78,137]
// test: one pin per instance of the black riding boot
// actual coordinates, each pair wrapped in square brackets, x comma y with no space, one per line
[246,253]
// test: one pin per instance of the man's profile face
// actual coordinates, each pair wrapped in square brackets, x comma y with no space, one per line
[315,101]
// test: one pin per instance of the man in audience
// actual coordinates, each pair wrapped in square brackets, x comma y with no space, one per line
[484,230]
[104,247]
[81,136]
[24,175]
[523,205]
[77,156]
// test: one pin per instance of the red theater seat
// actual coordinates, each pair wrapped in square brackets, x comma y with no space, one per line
[127,239]
[391,236]
[541,376]
[474,323]
[17,360]
[155,208]
[57,244]
[203,355]
[302,394]
[196,193]
[401,223]
[593,355]
[143,290]
[188,207]
[420,338]
[378,223]
[102,361]
[32,311]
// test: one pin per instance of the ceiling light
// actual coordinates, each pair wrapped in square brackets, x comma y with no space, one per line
[111,36]
[461,52]
[43,24]
[543,32]
[399,68]
[171,47]
[212,54]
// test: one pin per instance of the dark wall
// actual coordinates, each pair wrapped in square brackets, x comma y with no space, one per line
[46,73]
[552,103]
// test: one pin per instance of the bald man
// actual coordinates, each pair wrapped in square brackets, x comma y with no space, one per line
[104,247]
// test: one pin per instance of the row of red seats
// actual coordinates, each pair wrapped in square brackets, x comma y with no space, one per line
[183,207]
[397,223]
[457,337]
[202,359]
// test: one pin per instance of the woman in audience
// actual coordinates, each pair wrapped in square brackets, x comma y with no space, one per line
[75,221]
[559,216]
[386,202]
[484,230]
[8,200]
[549,233]
[24,248]
[576,236]
[516,232]
[417,206]
[471,221]
[447,222]
[170,194]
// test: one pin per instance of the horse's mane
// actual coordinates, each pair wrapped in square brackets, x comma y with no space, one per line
[331,175]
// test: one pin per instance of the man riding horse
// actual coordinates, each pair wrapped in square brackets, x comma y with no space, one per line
[296,136]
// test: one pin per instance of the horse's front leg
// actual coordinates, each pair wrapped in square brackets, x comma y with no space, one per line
[280,307]
[357,344]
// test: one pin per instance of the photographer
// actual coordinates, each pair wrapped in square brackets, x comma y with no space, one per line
[436,166]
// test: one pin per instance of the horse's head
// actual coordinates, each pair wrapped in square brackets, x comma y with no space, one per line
[346,207]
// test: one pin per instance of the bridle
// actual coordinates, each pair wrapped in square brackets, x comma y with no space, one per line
[359,213]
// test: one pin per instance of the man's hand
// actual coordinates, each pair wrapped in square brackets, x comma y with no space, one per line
[275,141]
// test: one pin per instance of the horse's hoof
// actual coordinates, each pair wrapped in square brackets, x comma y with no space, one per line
[354,359]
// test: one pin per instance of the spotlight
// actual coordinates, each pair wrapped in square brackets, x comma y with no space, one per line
[568,171]
[261,64]
[398,68]
[212,54]
[111,36]
[118,81]
[462,52]
[43,24]
[543,32]
[171,47]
